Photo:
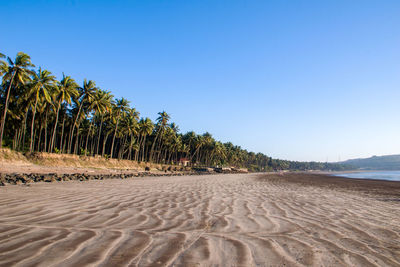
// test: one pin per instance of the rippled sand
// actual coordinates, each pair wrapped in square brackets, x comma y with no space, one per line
[219,220]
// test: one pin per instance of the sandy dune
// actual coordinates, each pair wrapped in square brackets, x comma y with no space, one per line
[219,220]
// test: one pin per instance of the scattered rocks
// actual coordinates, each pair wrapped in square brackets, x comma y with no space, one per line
[24,179]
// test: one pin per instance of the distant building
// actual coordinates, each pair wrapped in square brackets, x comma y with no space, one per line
[184,162]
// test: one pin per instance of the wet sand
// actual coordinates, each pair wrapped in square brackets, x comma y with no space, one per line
[217,220]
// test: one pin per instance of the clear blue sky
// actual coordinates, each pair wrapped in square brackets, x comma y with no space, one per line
[299,80]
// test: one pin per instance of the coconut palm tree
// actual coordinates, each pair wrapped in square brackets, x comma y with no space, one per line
[146,127]
[120,108]
[162,121]
[15,72]
[102,104]
[130,128]
[86,95]
[3,65]
[42,83]
[66,91]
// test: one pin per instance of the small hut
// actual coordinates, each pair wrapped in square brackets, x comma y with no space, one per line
[184,162]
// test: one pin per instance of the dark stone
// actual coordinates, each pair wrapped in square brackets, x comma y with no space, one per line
[49,179]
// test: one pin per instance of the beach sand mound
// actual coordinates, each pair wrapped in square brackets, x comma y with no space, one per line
[41,162]
[10,156]
[218,220]
[69,160]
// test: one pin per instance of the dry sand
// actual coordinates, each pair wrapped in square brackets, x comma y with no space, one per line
[218,220]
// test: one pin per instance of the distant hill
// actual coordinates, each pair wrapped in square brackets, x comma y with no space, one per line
[390,162]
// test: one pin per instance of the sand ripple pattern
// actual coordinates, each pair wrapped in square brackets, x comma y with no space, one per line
[219,220]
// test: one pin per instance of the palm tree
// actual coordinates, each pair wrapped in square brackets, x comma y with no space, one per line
[121,106]
[102,104]
[16,72]
[162,121]
[42,82]
[146,127]
[190,139]
[130,128]
[67,90]
[87,92]
[199,143]
[3,65]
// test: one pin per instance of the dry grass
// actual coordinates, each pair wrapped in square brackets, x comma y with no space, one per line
[68,160]
[10,156]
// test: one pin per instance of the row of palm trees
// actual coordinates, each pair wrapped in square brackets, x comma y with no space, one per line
[41,113]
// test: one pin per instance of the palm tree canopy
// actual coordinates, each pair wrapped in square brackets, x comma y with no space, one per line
[146,126]
[18,69]
[121,106]
[87,91]
[163,118]
[67,89]
[3,65]
[43,82]
[102,101]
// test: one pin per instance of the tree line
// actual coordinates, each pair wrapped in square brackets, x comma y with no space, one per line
[42,114]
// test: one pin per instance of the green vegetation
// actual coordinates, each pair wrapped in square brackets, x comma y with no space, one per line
[390,162]
[86,120]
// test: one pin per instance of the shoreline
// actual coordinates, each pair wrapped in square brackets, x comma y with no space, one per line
[14,174]
[373,187]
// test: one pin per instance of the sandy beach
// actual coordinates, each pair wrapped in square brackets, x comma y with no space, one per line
[215,220]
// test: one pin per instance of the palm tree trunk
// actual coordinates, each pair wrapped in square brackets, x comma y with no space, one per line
[62,136]
[196,152]
[143,151]
[104,144]
[15,139]
[76,151]
[92,146]
[3,121]
[24,131]
[40,136]
[55,128]
[69,145]
[19,139]
[73,127]
[137,152]
[45,132]
[87,137]
[122,148]
[113,141]
[33,122]
[81,141]
[152,147]
[130,148]
[98,140]
[63,140]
